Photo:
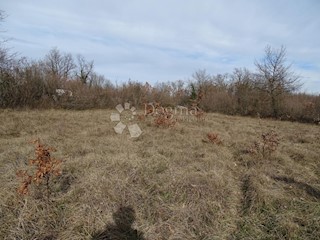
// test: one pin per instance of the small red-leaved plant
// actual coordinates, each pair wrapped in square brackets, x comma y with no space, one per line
[213,138]
[268,144]
[46,166]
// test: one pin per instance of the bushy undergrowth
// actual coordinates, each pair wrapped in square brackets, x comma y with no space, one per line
[33,84]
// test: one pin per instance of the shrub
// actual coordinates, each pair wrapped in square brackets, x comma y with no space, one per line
[267,144]
[213,138]
[46,167]
[165,119]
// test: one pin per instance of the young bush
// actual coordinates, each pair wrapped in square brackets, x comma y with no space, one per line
[213,138]
[267,144]
[165,118]
[46,167]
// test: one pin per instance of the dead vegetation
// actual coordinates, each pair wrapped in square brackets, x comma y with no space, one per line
[167,184]
[46,167]
[165,118]
[213,138]
[266,145]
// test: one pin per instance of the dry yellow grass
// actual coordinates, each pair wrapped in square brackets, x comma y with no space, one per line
[167,184]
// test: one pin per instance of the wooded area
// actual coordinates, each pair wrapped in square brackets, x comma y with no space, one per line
[61,80]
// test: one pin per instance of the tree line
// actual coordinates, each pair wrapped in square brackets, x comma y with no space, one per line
[269,91]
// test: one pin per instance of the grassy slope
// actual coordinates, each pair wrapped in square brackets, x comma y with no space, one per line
[178,186]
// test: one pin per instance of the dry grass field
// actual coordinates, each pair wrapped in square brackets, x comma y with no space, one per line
[170,183]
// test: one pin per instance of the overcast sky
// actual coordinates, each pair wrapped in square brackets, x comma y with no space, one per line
[167,40]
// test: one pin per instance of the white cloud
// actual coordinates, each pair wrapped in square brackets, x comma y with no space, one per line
[167,40]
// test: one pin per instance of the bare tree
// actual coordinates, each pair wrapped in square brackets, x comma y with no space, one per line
[6,59]
[2,17]
[84,69]
[275,76]
[242,85]
[58,64]
[221,81]
[8,84]
[201,76]
[201,81]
